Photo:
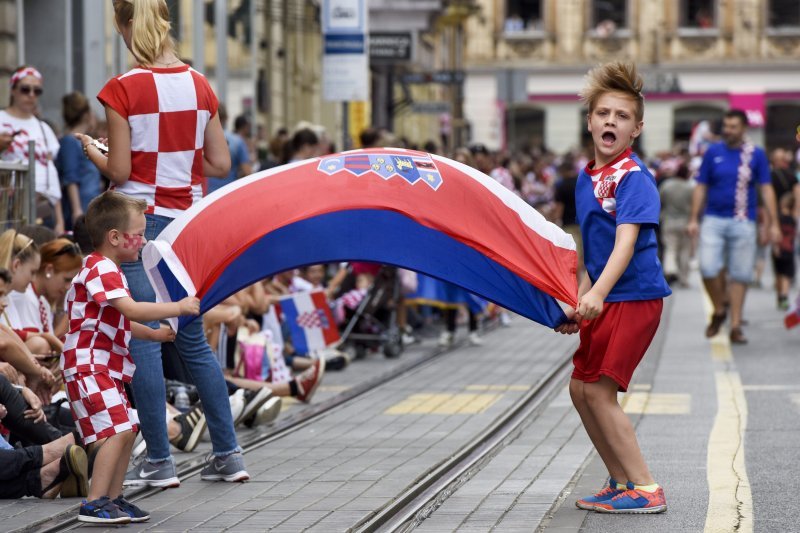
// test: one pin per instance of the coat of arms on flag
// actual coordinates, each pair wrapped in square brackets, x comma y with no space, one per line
[412,168]
[310,321]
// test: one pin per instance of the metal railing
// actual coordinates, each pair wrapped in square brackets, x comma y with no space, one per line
[18,191]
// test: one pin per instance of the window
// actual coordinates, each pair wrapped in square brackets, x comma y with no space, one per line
[783,14]
[608,16]
[698,14]
[524,16]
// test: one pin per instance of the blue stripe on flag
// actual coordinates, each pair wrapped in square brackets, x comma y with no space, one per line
[298,334]
[384,237]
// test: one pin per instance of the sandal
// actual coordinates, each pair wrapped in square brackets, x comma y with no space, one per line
[716,323]
[737,336]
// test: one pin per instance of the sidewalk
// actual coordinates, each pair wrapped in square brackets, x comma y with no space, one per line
[689,400]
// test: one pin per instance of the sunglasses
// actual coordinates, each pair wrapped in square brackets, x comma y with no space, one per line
[71,249]
[27,89]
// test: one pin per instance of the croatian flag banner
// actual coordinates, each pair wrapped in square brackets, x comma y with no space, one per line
[404,208]
[310,321]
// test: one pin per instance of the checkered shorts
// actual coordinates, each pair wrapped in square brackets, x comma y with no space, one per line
[99,406]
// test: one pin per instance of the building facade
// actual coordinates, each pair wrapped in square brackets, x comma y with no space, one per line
[526,60]
[273,59]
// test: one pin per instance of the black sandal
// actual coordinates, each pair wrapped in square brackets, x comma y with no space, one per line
[715,324]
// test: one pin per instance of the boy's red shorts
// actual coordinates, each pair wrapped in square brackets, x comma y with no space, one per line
[614,343]
[99,406]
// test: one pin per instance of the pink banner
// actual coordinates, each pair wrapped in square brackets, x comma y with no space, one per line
[752,104]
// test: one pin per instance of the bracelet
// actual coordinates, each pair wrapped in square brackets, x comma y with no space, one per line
[86,148]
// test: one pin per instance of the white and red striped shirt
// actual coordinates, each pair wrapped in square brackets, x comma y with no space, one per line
[99,334]
[168,110]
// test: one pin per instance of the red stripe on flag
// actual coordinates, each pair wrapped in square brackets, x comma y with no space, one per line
[452,210]
[331,333]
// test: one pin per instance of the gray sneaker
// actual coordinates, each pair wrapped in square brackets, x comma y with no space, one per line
[147,474]
[228,468]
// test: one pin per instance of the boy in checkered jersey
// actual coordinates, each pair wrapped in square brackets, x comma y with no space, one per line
[621,297]
[96,362]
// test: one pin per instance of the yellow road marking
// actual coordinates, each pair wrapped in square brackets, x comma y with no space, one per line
[720,348]
[770,388]
[641,386]
[520,388]
[333,388]
[730,501]
[658,403]
[443,404]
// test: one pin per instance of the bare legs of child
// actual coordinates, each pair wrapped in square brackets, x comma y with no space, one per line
[612,434]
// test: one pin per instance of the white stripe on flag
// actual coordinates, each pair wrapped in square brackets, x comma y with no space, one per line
[315,340]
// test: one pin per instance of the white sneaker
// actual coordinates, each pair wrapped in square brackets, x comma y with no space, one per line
[445,339]
[408,339]
[267,413]
[139,446]
[505,319]
[238,403]
[475,339]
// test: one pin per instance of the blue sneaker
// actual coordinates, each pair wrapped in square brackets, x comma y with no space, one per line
[634,501]
[136,514]
[588,503]
[102,511]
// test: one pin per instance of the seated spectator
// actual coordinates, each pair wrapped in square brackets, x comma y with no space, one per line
[32,311]
[24,416]
[18,364]
[58,467]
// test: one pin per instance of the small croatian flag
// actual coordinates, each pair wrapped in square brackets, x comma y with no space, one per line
[310,321]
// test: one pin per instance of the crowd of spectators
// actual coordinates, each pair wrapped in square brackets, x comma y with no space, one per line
[40,452]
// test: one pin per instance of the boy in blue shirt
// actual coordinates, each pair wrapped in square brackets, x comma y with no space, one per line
[621,297]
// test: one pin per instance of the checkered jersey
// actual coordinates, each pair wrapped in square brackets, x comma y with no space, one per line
[167,110]
[607,180]
[99,335]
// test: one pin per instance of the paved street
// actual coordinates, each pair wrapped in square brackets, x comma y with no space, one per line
[687,399]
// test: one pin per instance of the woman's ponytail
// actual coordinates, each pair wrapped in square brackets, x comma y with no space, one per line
[150,27]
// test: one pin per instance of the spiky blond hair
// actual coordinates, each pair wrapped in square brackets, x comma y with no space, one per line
[617,76]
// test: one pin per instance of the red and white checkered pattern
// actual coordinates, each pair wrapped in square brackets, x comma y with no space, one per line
[313,319]
[99,406]
[608,179]
[168,110]
[99,335]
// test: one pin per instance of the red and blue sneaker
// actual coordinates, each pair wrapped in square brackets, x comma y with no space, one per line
[603,496]
[634,501]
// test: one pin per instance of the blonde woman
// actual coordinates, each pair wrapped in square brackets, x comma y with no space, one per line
[19,258]
[164,136]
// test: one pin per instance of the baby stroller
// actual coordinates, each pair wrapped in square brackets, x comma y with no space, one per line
[372,324]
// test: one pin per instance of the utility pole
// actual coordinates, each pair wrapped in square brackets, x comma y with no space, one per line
[453,18]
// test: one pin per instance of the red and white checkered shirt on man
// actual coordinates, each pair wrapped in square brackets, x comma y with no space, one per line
[99,334]
[167,110]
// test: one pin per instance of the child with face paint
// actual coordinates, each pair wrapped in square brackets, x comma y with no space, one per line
[102,318]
